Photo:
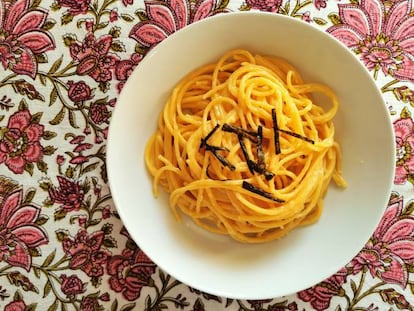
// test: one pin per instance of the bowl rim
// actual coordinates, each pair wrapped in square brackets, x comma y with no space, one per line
[148,57]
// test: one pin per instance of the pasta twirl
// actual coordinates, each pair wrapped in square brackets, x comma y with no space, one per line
[244,150]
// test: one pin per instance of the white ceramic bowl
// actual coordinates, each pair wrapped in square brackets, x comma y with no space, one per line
[217,264]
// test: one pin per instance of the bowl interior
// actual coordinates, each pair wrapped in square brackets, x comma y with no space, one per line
[216,264]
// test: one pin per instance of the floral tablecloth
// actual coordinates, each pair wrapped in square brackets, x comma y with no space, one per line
[62,66]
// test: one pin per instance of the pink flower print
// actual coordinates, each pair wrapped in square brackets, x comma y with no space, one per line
[106,212]
[22,36]
[391,247]
[82,221]
[264,5]
[166,17]
[89,23]
[90,303]
[306,17]
[79,91]
[79,159]
[383,38]
[71,285]
[395,234]
[404,135]
[98,112]
[94,57]
[104,297]
[60,159]
[124,68]
[70,194]
[113,15]
[76,7]
[6,54]
[86,252]
[127,2]
[15,305]
[321,294]
[130,272]
[18,230]
[319,4]
[380,53]
[105,132]
[20,143]
[372,257]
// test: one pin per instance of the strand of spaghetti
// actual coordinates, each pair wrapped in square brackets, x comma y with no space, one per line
[230,55]
[228,185]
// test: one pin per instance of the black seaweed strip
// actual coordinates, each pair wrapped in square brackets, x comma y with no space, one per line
[261,169]
[239,130]
[245,154]
[204,140]
[214,149]
[268,175]
[223,160]
[297,136]
[276,132]
[254,189]
[259,146]
[260,166]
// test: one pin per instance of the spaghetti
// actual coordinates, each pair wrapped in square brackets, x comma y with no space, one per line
[244,150]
